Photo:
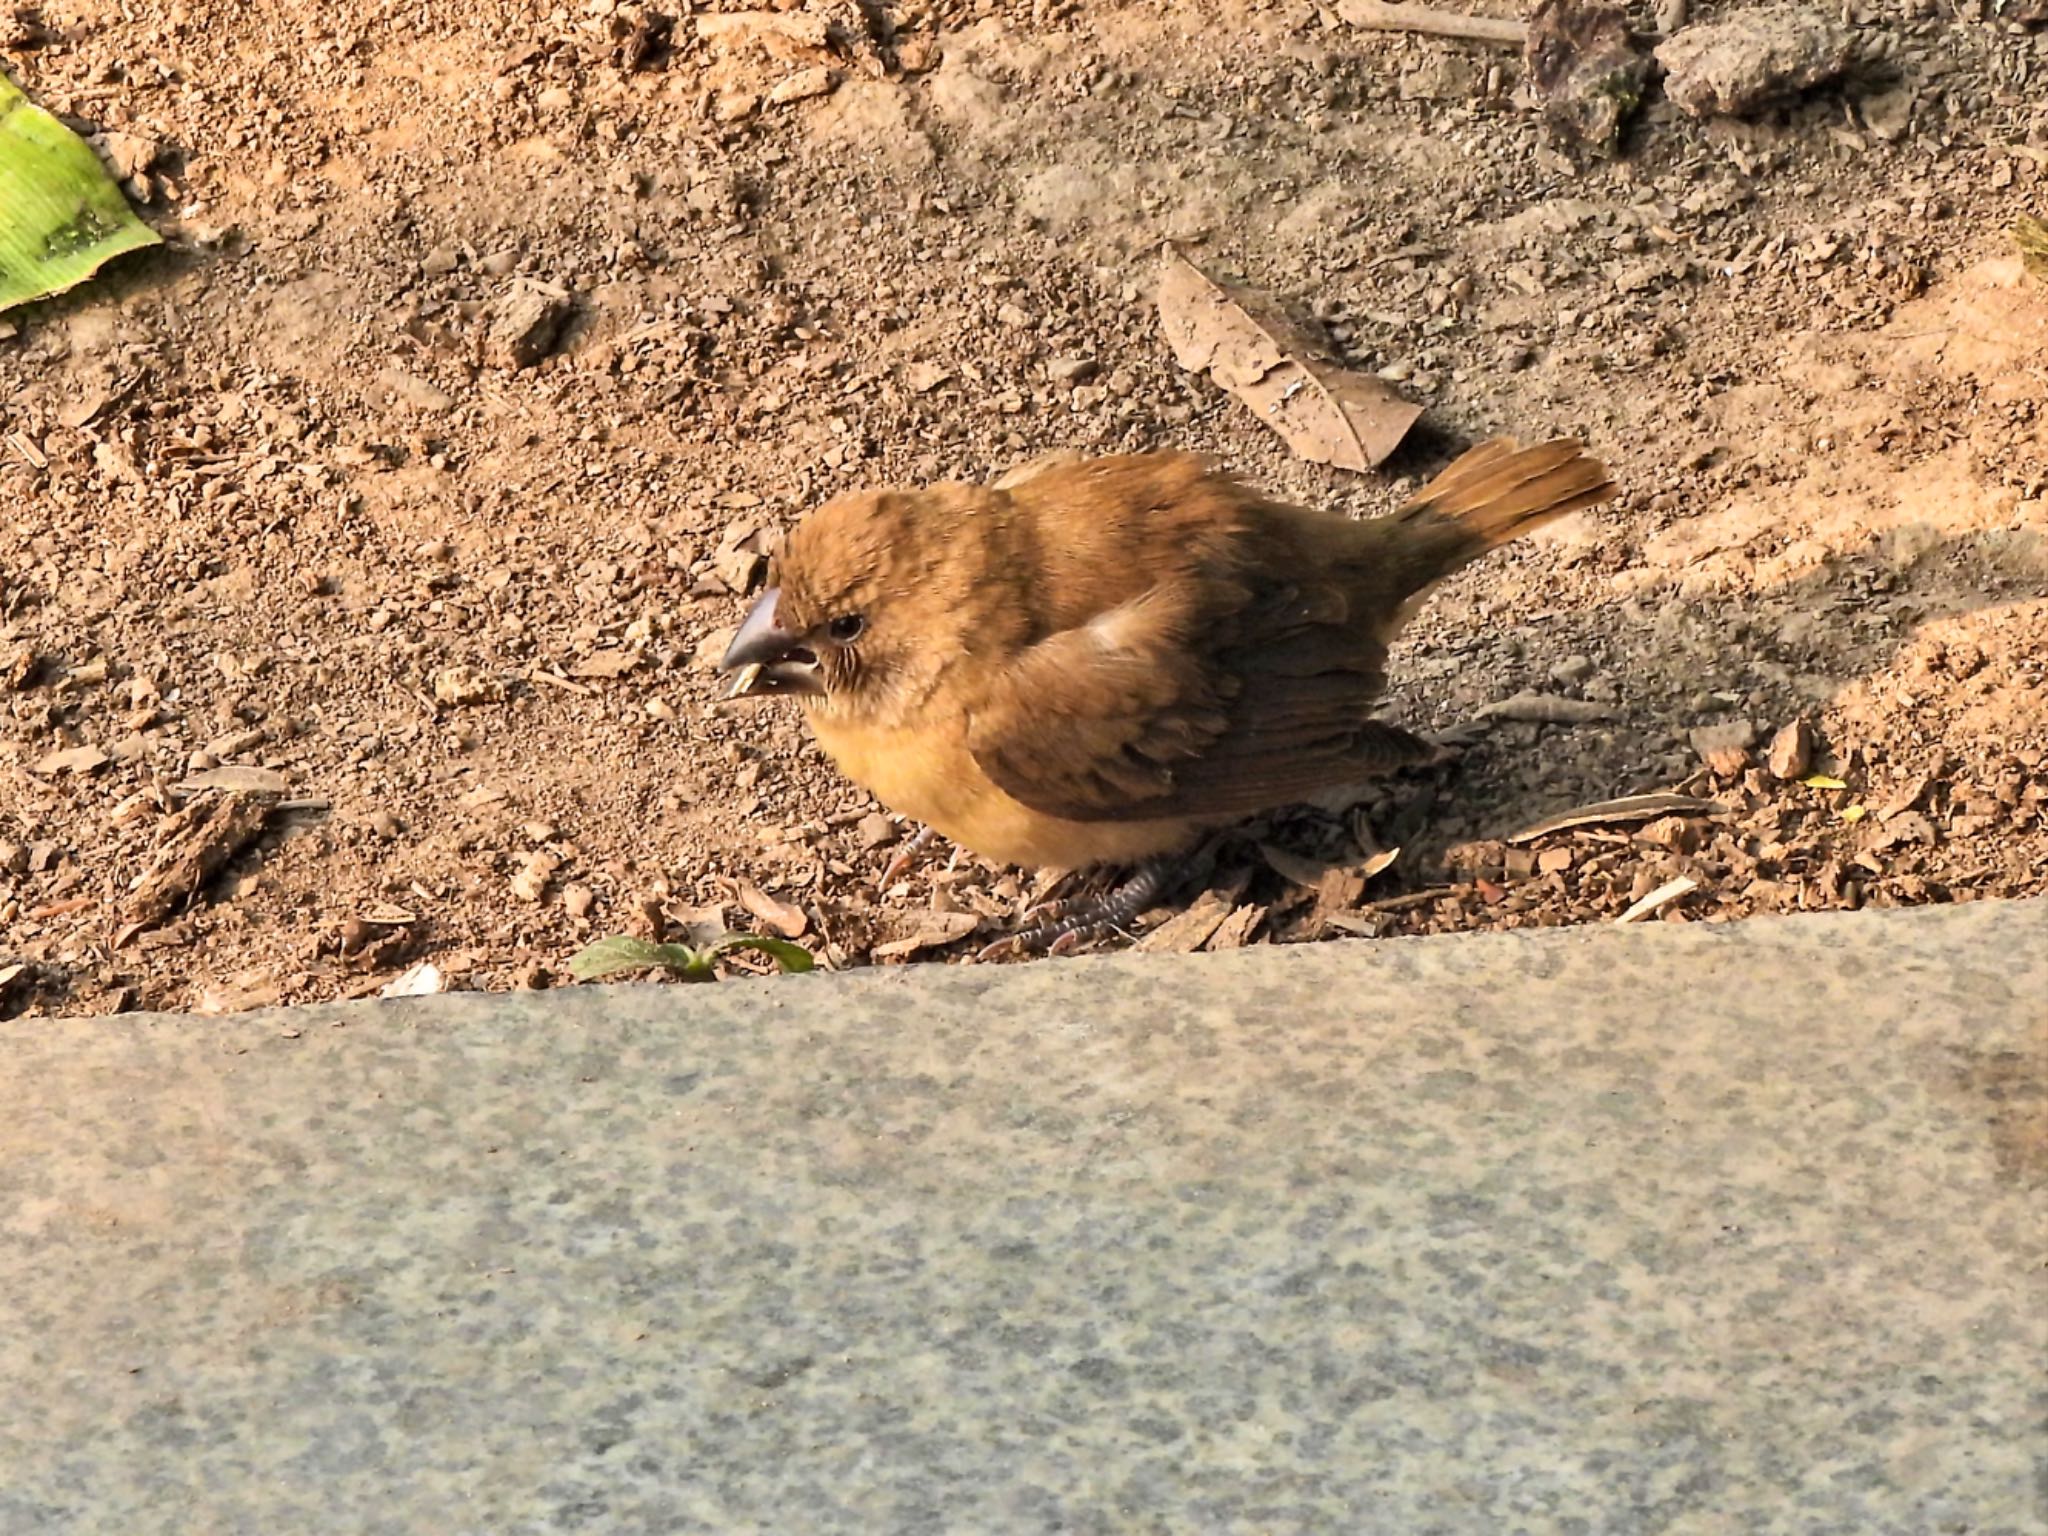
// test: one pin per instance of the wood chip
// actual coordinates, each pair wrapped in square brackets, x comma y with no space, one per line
[1327,414]
[1188,930]
[1658,899]
[784,917]
[200,840]
[1235,930]
[1615,812]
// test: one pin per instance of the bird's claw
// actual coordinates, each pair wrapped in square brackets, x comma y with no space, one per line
[1065,926]
[900,862]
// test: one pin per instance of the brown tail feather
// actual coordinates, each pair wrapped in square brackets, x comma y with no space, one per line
[1499,491]
[1495,493]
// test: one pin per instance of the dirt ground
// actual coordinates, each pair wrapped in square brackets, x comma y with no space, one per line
[278,500]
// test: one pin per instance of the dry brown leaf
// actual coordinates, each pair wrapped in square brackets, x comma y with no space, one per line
[785,917]
[1307,873]
[1242,340]
[1377,862]
[932,930]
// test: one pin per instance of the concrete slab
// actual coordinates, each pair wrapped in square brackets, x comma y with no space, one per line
[1677,1229]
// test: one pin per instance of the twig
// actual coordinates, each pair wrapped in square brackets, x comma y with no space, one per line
[1412,899]
[1378,16]
[1628,808]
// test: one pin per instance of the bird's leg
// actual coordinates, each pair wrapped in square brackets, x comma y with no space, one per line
[906,856]
[1454,741]
[1070,924]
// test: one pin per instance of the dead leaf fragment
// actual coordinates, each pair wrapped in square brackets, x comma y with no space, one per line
[931,930]
[423,980]
[1327,414]
[784,917]
[79,760]
[236,779]
[606,664]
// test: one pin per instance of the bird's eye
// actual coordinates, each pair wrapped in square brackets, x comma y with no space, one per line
[846,627]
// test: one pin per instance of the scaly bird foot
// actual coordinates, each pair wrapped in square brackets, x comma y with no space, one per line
[1067,925]
[899,863]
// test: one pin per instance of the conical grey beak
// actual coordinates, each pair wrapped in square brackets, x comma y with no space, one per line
[768,658]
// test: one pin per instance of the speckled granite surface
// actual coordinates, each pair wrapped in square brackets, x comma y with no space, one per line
[1657,1230]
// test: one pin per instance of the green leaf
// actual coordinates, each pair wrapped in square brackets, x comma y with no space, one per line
[61,216]
[789,958]
[607,957]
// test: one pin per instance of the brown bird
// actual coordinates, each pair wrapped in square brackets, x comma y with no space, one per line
[1101,664]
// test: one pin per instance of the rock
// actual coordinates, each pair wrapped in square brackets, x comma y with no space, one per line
[1791,751]
[1724,748]
[877,830]
[1586,72]
[129,154]
[19,666]
[1071,370]
[440,261]
[577,900]
[1572,671]
[385,825]
[526,324]
[466,685]
[735,106]
[1754,59]
[739,569]
[531,882]
[803,86]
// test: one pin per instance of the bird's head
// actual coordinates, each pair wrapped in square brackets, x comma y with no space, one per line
[870,598]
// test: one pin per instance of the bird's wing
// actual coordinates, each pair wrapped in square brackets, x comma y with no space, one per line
[1137,714]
